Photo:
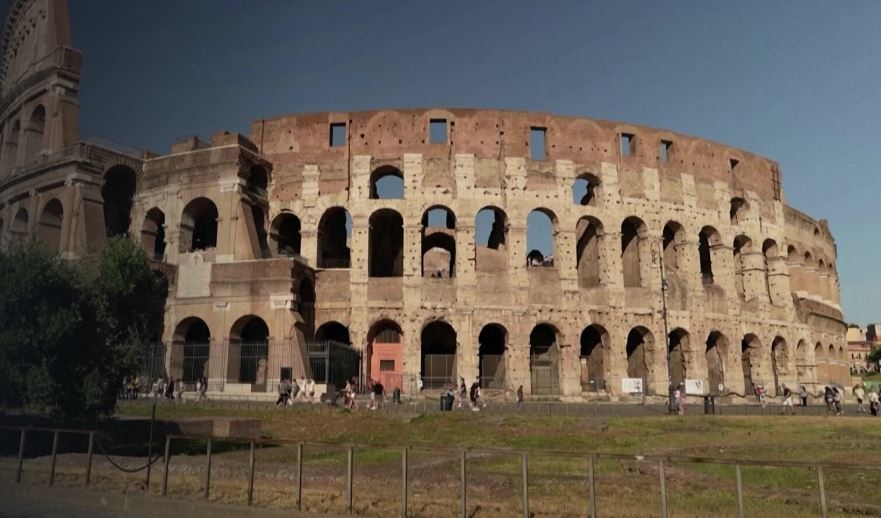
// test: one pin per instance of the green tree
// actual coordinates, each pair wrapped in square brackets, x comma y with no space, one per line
[874,355]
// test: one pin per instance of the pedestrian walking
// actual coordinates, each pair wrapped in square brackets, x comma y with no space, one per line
[859,393]
[378,393]
[803,395]
[419,384]
[474,396]
[874,402]
[463,392]
[836,400]
[282,394]
[760,395]
[310,390]
[203,390]
[829,398]
[787,400]
[520,397]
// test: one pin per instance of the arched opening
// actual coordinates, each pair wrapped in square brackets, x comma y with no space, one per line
[33,139]
[544,360]
[284,234]
[258,181]
[386,183]
[769,254]
[594,349]
[678,351]
[118,190]
[639,344]
[438,243]
[490,234]
[742,246]
[50,224]
[709,242]
[334,231]
[750,350]
[632,232]
[588,251]
[541,230]
[586,190]
[717,349]
[153,234]
[333,332]
[385,354]
[198,225]
[673,241]
[250,335]
[779,362]
[493,340]
[194,337]
[438,346]
[386,251]
[19,227]
[737,211]
[820,362]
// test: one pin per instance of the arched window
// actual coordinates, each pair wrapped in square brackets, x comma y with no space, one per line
[194,338]
[541,232]
[493,341]
[438,243]
[750,351]
[594,349]
[738,211]
[386,250]
[674,247]
[19,227]
[544,359]
[51,221]
[709,244]
[386,183]
[284,233]
[779,362]
[438,346]
[679,351]
[334,231]
[198,225]
[632,232]
[588,251]
[717,349]
[385,354]
[586,190]
[490,234]
[153,234]
[34,133]
[639,342]
[249,340]
[769,254]
[117,193]
[742,246]
[333,332]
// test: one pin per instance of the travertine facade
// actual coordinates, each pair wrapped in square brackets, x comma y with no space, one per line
[291,225]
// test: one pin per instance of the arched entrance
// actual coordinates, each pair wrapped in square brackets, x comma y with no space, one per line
[194,338]
[198,225]
[639,342]
[50,224]
[544,360]
[438,355]
[677,359]
[118,190]
[385,354]
[749,356]
[153,234]
[594,348]
[779,362]
[249,353]
[717,348]
[493,341]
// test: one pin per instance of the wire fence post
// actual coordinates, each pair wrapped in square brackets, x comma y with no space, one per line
[167,460]
[824,512]
[251,460]
[525,485]
[463,487]
[54,457]
[592,489]
[208,469]
[740,509]
[299,475]
[404,483]
[349,475]
[21,443]
[89,458]
[663,478]
[150,447]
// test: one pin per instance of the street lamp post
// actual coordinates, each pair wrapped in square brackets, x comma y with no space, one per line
[657,252]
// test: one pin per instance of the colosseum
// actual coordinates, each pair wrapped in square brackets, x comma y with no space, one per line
[397,244]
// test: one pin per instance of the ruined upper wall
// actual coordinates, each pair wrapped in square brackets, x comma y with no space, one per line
[292,141]
[34,31]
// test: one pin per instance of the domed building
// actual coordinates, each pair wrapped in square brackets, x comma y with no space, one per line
[394,244]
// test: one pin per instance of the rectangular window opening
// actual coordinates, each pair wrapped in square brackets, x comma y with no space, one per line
[387,365]
[732,163]
[627,142]
[537,143]
[664,151]
[437,131]
[337,134]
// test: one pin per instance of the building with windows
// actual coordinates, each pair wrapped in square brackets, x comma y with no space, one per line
[860,344]
[405,234]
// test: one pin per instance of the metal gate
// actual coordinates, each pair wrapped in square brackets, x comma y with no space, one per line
[492,371]
[544,374]
[152,364]
[438,370]
[333,362]
[254,362]
[195,362]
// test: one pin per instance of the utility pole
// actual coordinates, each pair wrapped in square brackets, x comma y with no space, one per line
[658,249]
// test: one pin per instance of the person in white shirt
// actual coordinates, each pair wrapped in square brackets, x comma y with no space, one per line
[859,393]
[310,390]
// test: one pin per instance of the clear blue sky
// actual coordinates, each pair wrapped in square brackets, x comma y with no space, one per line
[797,81]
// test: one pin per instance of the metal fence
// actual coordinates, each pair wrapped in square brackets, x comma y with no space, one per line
[492,371]
[438,371]
[333,362]
[661,462]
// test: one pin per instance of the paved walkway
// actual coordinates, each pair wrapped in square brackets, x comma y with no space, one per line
[27,501]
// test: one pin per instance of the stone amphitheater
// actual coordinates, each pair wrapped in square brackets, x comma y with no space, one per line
[395,244]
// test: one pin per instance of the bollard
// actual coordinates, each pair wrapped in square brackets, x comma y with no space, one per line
[525,485]
[208,469]
[251,473]
[167,459]
[591,469]
[663,479]
[740,509]
[404,484]
[299,475]
[349,474]
[463,488]
[21,443]
[54,457]
[822,484]
[89,458]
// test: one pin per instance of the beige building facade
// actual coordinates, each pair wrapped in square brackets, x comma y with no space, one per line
[673,257]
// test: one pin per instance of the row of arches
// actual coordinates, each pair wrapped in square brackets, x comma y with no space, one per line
[49,224]
[28,133]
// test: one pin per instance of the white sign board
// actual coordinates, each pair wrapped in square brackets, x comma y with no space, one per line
[631,385]
[695,387]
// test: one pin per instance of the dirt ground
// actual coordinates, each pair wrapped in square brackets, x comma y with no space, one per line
[559,449]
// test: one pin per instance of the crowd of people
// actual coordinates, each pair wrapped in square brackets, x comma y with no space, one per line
[291,390]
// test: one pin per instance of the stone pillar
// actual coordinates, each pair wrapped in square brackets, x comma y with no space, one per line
[753,275]
[778,281]
[310,215]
